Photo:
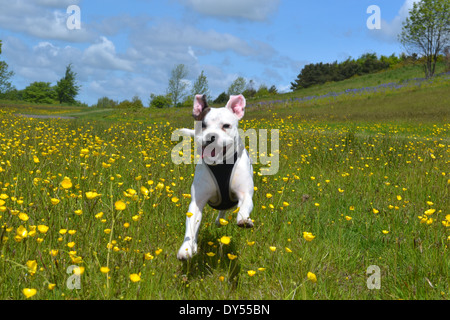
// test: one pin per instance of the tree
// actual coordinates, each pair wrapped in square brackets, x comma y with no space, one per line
[135,103]
[40,92]
[5,76]
[222,98]
[66,88]
[318,73]
[447,58]
[273,90]
[201,86]
[250,90]
[427,31]
[160,101]
[106,102]
[177,85]
[262,91]
[237,86]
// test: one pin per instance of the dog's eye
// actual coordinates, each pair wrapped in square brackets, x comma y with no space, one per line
[203,125]
[226,126]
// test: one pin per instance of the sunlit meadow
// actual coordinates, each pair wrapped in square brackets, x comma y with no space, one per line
[95,208]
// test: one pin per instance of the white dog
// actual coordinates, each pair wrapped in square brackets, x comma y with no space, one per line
[224,175]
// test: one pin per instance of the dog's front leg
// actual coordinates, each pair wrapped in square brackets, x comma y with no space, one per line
[245,207]
[193,220]
[201,191]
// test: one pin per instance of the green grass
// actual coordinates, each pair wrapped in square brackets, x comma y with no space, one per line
[339,160]
[396,75]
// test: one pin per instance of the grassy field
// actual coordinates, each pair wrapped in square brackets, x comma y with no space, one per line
[364,181]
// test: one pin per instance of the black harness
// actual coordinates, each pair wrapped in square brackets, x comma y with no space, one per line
[222,174]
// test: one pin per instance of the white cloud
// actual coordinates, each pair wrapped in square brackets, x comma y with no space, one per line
[102,55]
[104,67]
[390,30]
[44,19]
[255,10]
[171,37]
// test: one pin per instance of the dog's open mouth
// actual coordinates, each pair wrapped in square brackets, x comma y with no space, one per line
[210,152]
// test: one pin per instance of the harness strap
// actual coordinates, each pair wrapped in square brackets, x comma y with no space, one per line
[222,174]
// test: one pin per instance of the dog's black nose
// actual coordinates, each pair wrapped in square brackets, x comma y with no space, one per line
[210,138]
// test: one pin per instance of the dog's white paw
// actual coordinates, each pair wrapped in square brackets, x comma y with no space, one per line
[245,223]
[187,250]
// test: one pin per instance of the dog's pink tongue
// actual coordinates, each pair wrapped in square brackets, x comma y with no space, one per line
[213,152]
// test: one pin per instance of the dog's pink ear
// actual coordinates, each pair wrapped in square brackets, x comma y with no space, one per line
[236,104]
[200,105]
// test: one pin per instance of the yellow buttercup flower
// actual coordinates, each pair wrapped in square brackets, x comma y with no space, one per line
[99,215]
[144,191]
[231,256]
[223,222]
[308,236]
[189,214]
[42,228]
[225,240]
[53,252]
[92,195]
[430,212]
[148,256]
[22,232]
[54,201]
[104,269]
[272,248]
[251,273]
[23,216]
[32,266]
[29,292]
[78,271]
[120,205]
[66,183]
[135,277]
[311,277]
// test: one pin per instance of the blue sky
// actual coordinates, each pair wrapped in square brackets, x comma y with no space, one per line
[127,48]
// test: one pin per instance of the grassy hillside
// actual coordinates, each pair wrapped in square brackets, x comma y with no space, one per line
[397,75]
[362,180]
